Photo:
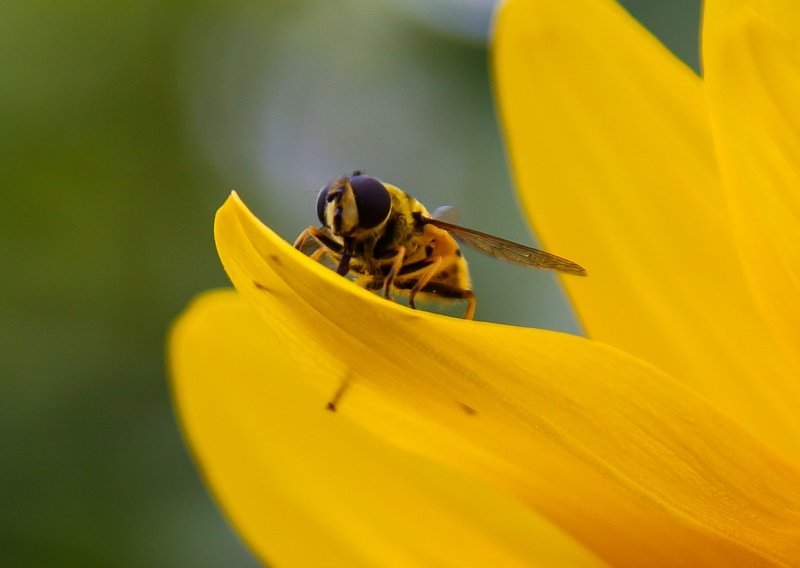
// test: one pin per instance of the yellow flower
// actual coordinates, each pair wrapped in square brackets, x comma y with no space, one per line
[668,439]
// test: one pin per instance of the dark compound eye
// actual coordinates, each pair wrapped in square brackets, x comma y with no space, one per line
[322,199]
[372,201]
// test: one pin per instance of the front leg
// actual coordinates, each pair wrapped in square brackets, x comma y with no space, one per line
[321,237]
[397,264]
[301,239]
[347,255]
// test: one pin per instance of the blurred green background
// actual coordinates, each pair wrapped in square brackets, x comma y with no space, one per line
[124,126]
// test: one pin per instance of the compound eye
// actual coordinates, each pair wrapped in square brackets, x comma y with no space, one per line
[372,201]
[322,202]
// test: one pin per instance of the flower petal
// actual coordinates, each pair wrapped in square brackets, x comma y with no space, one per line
[309,488]
[595,440]
[614,162]
[782,13]
[753,78]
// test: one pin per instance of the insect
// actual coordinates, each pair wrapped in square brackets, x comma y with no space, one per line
[387,240]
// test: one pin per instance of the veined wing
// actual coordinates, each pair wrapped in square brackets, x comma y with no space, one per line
[509,250]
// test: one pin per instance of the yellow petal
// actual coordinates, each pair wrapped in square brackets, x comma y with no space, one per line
[614,452]
[613,159]
[753,78]
[309,488]
[784,14]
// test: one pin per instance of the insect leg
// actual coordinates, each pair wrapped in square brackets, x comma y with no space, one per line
[424,279]
[302,237]
[324,243]
[321,237]
[317,254]
[347,255]
[397,264]
[470,297]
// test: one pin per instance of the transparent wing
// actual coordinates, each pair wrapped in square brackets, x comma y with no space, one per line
[446,213]
[508,250]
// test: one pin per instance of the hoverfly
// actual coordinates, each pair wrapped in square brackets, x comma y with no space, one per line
[387,241]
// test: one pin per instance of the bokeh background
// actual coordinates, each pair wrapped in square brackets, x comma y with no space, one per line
[122,127]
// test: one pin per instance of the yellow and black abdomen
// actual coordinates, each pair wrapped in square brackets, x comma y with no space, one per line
[436,246]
